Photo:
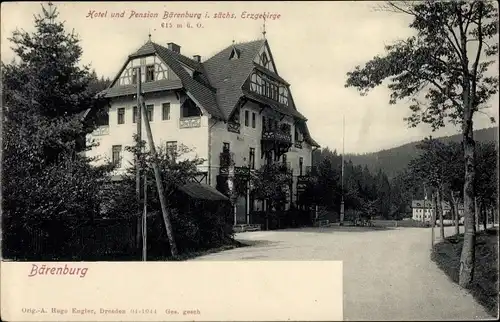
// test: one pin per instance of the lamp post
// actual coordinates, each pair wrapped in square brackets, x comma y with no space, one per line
[342,176]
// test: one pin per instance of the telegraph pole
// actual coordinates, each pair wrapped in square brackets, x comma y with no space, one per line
[342,175]
[138,150]
[145,220]
[159,184]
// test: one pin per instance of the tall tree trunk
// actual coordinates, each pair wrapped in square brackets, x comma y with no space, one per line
[477,212]
[468,249]
[433,217]
[454,200]
[440,212]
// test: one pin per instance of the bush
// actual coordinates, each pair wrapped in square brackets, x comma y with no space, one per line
[207,225]
[484,286]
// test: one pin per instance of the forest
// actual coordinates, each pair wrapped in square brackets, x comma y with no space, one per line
[382,184]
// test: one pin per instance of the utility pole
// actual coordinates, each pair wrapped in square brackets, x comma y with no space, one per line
[145,220]
[342,175]
[138,150]
[159,184]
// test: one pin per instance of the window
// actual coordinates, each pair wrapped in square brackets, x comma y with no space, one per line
[116,158]
[251,162]
[264,123]
[283,95]
[150,109]
[172,150]
[150,73]
[235,54]
[274,92]
[121,115]
[253,119]
[301,164]
[246,118]
[165,111]
[225,147]
[134,112]
[284,158]
[134,76]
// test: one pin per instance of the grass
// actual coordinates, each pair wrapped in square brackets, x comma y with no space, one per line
[484,286]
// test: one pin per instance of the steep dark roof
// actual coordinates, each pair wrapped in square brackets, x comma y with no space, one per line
[270,73]
[307,136]
[276,105]
[161,85]
[202,191]
[202,93]
[217,83]
[228,76]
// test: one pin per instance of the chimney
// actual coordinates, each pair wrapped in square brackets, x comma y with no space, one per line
[174,47]
[197,58]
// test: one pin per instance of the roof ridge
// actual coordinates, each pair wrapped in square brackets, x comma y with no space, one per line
[176,53]
[232,45]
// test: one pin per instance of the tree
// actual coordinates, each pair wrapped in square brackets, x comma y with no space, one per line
[430,167]
[384,195]
[443,70]
[194,224]
[486,180]
[272,183]
[401,195]
[44,95]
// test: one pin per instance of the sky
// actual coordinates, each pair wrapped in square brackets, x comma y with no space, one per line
[314,45]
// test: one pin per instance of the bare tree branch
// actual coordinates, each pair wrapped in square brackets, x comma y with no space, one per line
[478,54]
[469,16]
[456,44]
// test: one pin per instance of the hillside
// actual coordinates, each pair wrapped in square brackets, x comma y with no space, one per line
[394,160]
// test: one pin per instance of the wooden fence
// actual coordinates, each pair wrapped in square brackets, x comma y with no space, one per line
[102,239]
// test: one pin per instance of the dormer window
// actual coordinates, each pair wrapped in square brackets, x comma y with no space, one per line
[150,73]
[235,54]
[134,76]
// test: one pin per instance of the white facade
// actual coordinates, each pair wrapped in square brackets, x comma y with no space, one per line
[424,214]
[420,214]
[191,132]
[175,87]
[203,135]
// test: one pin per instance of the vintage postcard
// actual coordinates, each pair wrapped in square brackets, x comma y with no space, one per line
[249,161]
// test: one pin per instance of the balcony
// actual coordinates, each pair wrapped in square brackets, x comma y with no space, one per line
[308,174]
[190,122]
[101,130]
[233,127]
[226,161]
[283,167]
[277,135]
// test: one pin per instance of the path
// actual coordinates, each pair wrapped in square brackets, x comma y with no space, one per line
[388,274]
